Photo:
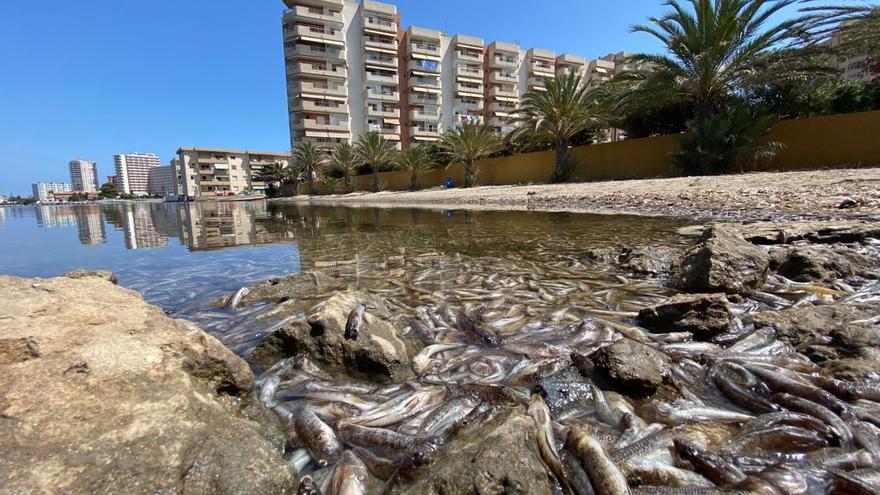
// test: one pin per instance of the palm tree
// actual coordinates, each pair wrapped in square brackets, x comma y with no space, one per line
[310,158]
[274,173]
[375,151]
[468,143]
[345,160]
[556,115]
[415,160]
[714,49]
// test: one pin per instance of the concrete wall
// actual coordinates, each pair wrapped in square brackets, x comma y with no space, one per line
[818,142]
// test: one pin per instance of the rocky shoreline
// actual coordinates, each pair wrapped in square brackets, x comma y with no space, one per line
[484,393]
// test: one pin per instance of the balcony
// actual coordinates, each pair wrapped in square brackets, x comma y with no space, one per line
[425,132]
[537,83]
[505,63]
[390,62]
[463,88]
[469,57]
[425,115]
[300,105]
[503,93]
[502,77]
[318,33]
[542,69]
[425,49]
[302,50]
[424,67]
[469,72]
[331,3]
[382,78]
[314,125]
[393,130]
[312,88]
[381,43]
[390,113]
[380,25]
[424,83]
[501,108]
[314,14]
[303,68]
[377,95]
[421,99]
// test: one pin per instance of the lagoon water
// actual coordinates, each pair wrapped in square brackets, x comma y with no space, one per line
[184,258]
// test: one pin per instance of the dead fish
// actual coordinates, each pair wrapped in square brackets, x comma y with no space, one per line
[397,410]
[349,476]
[355,322]
[307,486]
[476,333]
[317,436]
[604,473]
[540,413]
[682,413]
[709,465]
[236,299]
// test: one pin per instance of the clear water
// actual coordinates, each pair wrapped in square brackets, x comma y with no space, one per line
[184,258]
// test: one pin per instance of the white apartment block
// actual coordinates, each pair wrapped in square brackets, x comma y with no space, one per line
[351,69]
[855,66]
[211,172]
[161,181]
[45,191]
[133,172]
[83,176]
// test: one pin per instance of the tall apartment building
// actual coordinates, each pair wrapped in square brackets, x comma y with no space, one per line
[83,176]
[351,70]
[209,172]
[45,191]
[854,66]
[133,172]
[161,181]
[573,64]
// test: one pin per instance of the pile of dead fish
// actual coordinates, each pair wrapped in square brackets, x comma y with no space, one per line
[740,413]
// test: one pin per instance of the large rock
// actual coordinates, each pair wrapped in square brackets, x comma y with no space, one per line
[807,325]
[651,262]
[102,393]
[631,368]
[704,315]
[499,458]
[721,262]
[818,263]
[80,273]
[380,352]
[291,287]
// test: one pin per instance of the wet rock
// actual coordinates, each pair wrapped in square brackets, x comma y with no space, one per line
[816,232]
[818,263]
[704,315]
[564,389]
[499,458]
[808,325]
[601,255]
[105,274]
[655,261]
[103,393]
[380,352]
[852,369]
[631,368]
[290,287]
[721,262]
[857,340]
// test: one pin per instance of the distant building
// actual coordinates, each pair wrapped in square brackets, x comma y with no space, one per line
[161,181]
[133,172]
[83,176]
[855,66]
[209,172]
[111,179]
[67,196]
[45,191]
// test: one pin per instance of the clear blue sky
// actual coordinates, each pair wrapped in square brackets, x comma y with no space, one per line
[91,78]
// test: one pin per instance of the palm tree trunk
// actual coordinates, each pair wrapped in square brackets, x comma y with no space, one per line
[311,181]
[414,181]
[469,173]
[375,178]
[561,173]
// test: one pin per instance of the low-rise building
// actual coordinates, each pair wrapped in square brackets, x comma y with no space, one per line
[45,191]
[213,172]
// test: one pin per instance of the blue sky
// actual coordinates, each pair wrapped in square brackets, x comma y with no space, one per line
[92,78]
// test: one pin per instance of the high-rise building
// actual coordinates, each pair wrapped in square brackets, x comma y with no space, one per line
[45,191]
[854,66]
[207,172]
[83,176]
[352,70]
[133,172]
[161,181]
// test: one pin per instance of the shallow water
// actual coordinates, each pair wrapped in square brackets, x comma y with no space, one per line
[184,258]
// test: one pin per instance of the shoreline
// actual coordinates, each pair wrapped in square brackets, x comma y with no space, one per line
[823,195]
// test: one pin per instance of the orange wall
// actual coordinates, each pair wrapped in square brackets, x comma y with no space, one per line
[832,141]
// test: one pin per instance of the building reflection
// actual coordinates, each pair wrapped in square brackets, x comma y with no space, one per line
[214,225]
[90,225]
